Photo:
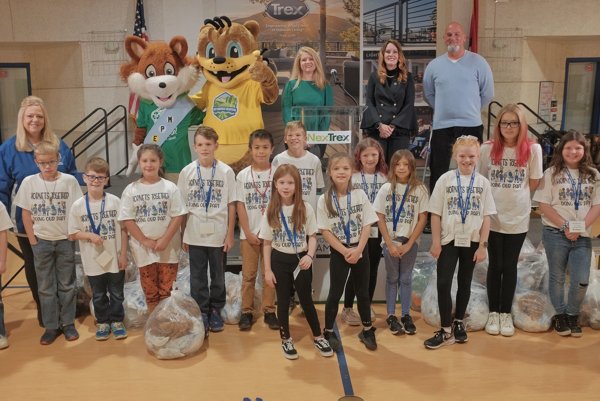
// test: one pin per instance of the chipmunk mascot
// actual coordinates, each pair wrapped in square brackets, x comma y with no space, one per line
[162,74]
[237,82]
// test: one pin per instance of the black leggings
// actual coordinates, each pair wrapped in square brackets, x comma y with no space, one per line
[504,252]
[446,266]
[283,266]
[374,249]
[338,273]
[30,274]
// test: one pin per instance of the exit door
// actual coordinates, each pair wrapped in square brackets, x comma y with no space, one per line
[15,85]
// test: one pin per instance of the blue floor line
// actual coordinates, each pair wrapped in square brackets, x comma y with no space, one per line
[343,364]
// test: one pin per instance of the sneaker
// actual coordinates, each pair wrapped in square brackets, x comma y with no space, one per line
[332,339]
[3,342]
[459,332]
[118,330]
[102,331]
[427,228]
[271,320]
[440,339]
[215,321]
[507,328]
[206,326]
[367,337]
[70,332]
[245,321]
[561,325]
[49,336]
[323,346]
[394,325]
[576,331]
[288,349]
[492,326]
[373,316]
[350,317]
[409,326]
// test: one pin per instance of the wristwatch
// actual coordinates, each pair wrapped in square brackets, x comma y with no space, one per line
[484,244]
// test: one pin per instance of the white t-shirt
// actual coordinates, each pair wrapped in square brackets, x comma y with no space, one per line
[49,203]
[510,187]
[110,231]
[560,195]
[152,206]
[254,191]
[414,204]
[206,227]
[309,167]
[362,215]
[368,183]
[280,240]
[444,202]
[5,221]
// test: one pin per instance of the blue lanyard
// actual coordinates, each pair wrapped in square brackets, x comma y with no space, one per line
[464,206]
[396,215]
[366,186]
[210,185]
[345,226]
[95,229]
[292,238]
[576,195]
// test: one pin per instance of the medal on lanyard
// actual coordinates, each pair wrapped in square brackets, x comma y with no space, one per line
[371,194]
[345,226]
[396,215]
[291,235]
[262,195]
[576,188]
[463,240]
[95,229]
[202,193]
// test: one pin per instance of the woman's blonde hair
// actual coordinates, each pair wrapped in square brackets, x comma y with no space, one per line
[22,143]
[319,77]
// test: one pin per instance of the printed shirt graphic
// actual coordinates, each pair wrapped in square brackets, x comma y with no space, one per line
[560,195]
[5,221]
[415,203]
[110,231]
[361,214]
[152,206]
[309,167]
[49,203]
[370,188]
[444,202]
[194,198]
[510,187]
[251,185]
[279,237]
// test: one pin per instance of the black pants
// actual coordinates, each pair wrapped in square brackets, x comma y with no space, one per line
[374,249]
[400,139]
[283,266]
[338,273]
[504,252]
[30,274]
[446,266]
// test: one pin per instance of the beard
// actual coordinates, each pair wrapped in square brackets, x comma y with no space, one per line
[453,48]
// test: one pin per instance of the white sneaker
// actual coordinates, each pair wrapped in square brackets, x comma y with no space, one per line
[3,342]
[493,324]
[507,328]
[350,317]
[373,317]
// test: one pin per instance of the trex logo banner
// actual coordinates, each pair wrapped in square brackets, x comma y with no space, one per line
[287,10]
[329,137]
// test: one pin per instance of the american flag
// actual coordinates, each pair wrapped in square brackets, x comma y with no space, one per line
[139,29]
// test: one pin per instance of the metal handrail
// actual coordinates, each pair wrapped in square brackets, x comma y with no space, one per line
[69,132]
[550,127]
[529,127]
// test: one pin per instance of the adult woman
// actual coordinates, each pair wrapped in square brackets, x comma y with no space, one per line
[17,162]
[390,115]
[307,87]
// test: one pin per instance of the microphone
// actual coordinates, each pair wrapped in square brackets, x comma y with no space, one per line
[334,77]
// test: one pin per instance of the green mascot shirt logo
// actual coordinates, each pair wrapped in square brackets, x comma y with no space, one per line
[225,106]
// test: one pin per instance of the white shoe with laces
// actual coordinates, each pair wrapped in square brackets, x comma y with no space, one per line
[350,317]
[507,328]
[493,324]
[289,351]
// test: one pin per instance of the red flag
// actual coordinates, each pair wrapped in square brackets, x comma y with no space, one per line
[139,29]
[474,27]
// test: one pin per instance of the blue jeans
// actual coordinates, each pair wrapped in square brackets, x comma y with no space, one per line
[55,270]
[576,255]
[108,308]
[399,274]
[201,258]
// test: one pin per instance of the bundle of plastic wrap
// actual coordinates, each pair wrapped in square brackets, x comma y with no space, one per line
[232,312]
[424,267]
[182,282]
[131,271]
[590,309]
[184,259]
[480,273]
[175,328]
[527,249]
[84,291]
[136,309]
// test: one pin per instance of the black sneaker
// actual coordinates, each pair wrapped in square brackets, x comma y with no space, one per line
[323,346]
[459,332]
[332,339]
[367,337]
[288,349]
[394,325]
[409,326]
[572,320]
[561,325]
[49,336]
[427,228]
[440,339]
[271,320]
[245,321]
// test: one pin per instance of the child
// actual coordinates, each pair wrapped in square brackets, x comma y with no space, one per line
[253,195]
[570,202]
[370,176]
[344,216]
[401,206]
[103,246]
[46,199]
[152,211]
[208,189]
[513,165]
[289,255]
[460,206]
[5,225]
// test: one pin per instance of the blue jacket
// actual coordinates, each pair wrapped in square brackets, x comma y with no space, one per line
[15,166]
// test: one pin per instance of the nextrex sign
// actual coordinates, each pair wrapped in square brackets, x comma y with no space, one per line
[329,137]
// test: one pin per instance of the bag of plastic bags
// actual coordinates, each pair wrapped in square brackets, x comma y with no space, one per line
[590,309]
[131,271]
[232,311]
[136,309]
[425,265]
[182,282]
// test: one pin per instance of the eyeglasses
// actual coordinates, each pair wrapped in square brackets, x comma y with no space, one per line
[47,164]
[93,178]
[509,124]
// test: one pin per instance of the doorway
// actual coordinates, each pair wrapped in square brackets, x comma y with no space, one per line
[581,103]
[15,84]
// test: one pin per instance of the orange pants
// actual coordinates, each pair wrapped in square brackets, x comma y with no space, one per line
[251,256]
[157,280]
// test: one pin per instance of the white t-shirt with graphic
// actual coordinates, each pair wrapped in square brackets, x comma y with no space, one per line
[309,167]
[206,227]
[560,195]
[362,215]
[280,239]
[5,221]
[510,187]
[110,231]
[49,203]
[254,191]
[152,206]
[368,183]
[444,202]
